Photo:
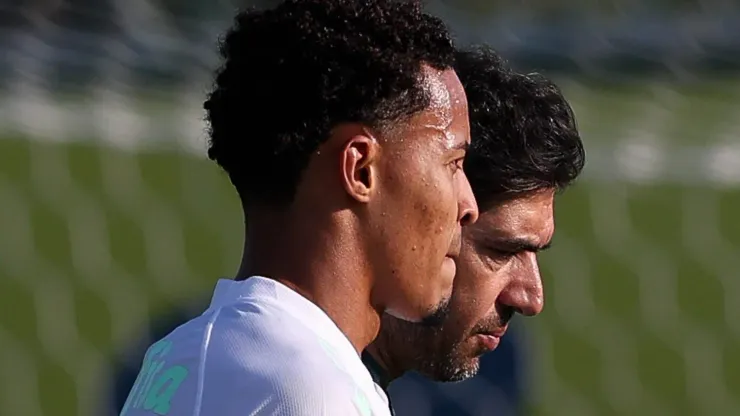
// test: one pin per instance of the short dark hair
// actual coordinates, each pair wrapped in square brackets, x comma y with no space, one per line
[524,132]
[292,73]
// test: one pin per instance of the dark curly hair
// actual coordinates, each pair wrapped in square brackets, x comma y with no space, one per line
[292,73]
[524,132]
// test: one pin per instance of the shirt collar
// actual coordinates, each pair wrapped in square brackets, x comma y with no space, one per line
[332,339]
[265,289]
[377,372]
[380,376]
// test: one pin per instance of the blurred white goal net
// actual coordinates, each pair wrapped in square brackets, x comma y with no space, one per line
[110,215]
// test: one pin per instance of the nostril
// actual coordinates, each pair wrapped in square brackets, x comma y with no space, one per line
[468,218]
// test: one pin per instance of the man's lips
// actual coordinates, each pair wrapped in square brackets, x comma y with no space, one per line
[498,332]
[490,339]
[489,342]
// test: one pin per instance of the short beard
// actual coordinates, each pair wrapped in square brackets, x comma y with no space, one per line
[454,365]
[438,316]
[424,347]
[451,367]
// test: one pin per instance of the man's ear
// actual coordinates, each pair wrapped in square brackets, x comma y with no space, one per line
[359,168]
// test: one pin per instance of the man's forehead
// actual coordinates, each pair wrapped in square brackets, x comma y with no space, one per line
[527,219]
[447,106]
[438,115]
[441,120]
[444,85]
[437,84]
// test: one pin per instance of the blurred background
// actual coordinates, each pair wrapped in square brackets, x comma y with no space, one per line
[114,226]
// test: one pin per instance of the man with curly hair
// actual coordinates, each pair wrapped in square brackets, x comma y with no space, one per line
[343,128]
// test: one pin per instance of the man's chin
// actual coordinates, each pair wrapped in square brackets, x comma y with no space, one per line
[433,319]
[452,371]
[438,316]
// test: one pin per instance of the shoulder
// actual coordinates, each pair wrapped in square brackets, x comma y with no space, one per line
[270,359]
[297,386]
[275,369]
[254,337]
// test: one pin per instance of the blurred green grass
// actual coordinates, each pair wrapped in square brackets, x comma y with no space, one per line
[190,192]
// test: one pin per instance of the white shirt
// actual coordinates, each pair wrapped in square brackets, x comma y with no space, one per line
[259,349]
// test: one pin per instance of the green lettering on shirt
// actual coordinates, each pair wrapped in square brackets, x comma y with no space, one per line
[155,385]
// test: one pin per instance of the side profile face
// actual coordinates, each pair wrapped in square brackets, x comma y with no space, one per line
[423,200]
[498,276]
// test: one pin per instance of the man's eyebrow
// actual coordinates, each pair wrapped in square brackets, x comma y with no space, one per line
[517,245]
[464,146]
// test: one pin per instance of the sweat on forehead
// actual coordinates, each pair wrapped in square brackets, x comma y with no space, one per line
[445,90]
[445,110]
[446,107]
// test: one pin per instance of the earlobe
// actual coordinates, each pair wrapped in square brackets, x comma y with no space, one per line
[358,167]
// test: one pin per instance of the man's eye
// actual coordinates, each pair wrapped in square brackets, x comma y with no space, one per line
[503,254]
[456,165]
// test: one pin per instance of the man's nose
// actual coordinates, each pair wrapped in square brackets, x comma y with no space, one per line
[524,293]
[468,207]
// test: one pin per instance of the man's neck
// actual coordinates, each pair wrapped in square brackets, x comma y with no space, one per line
[319,265]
